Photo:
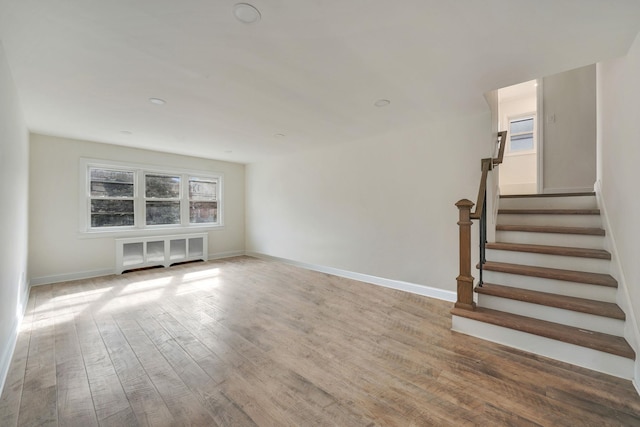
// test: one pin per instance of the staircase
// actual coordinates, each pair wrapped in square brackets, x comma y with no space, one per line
[547,288]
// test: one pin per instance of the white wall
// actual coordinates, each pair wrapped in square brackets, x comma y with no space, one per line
[382,207]
[14,176]
[518,172]
[493,181]
[569,105]
[58,251]
[620,147]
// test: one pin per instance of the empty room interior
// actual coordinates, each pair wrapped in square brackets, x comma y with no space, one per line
[305,213]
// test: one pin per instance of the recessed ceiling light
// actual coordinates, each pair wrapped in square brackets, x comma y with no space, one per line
[382,103]
[246,13]
[157,101]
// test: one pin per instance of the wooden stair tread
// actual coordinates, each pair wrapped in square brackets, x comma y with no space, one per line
[552,273]
[591,231]
[595,340]
[582,305]
[526,196]
[551,250]
[549,211]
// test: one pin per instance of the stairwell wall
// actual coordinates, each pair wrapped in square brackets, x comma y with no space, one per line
[619,174]
[569,107]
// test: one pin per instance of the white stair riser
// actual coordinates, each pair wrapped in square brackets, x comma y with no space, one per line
[551,239]
[577,202]
[586,321]
[590,265]
[554,220]
[560,287]
[569,353]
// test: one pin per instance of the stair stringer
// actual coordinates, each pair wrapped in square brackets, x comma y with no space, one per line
[631,330]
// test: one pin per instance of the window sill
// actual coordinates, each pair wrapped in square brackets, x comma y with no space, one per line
[143,232]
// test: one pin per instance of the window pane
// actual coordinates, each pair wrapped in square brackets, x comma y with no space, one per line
[162,186]
[522,142]
[111,183]
[163,213]
[203,212]
[522,125]
[111,213]
[202,190]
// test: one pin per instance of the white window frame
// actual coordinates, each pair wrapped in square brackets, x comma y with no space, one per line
[140,171]
[517,117]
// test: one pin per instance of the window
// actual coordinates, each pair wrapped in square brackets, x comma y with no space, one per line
[162,199]
[112,197]
[522,134]
[122,197]
[203,200]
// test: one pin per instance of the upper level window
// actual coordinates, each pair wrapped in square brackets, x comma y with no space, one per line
[122,197]
[522,135]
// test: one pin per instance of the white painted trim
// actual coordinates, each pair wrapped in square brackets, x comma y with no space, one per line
[221,255]
[540,150]
[413,288]
[58,278]
[631,331]
[67,277]
[7,357]
[139,200]
[568,190]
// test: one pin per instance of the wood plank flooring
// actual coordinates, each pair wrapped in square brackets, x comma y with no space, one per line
[247,342]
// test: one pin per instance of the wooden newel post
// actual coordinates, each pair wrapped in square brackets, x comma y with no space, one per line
[465,280]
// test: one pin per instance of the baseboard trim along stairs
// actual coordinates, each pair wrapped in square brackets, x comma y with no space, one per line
[547,287]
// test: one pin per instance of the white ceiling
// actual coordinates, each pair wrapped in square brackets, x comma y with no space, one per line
[309,69]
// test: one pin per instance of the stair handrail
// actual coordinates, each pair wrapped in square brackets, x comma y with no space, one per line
[465,220]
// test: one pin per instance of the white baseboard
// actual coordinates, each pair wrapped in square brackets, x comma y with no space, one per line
[413,288]
[7,354]
[631,332]
[58,278]
[47,280]
[221,255]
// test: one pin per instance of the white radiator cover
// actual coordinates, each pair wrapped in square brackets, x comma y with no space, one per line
[140,252]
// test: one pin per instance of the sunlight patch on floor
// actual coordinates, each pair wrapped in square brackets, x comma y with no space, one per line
[132,299]
[203,274]
[198,286]
[136,287]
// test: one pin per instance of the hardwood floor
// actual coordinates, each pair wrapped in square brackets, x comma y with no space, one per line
[245,342]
